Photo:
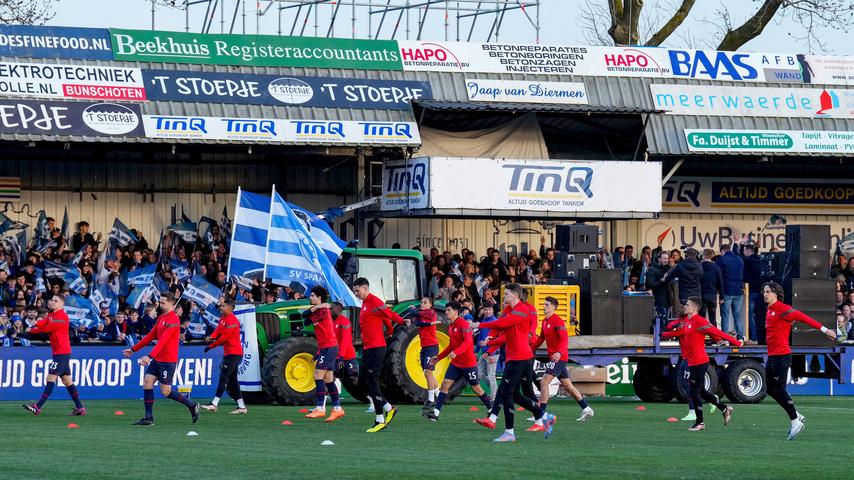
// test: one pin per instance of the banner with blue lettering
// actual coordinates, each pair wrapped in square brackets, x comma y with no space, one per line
[55,42]
[101,372]
[217,87]
[93,119]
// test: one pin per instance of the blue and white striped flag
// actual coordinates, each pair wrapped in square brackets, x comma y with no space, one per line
[55,270]
[121,235]
[319,230]
[81,311]
[249,238]
[294,256]
[75,281]
[202,292]
[179,269]
[142,276]
[142,294]
[78,256]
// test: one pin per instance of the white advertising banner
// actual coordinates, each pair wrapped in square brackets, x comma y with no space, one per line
[406,184]
[249,371]
[773,141]
[545,185]
[564,93]
[827,70]
[44,80]
[753,101]
[282,130]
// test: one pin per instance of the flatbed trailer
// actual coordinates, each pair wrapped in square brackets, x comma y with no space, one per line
[738,373]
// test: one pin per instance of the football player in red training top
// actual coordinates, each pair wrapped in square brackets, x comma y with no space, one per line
[346,367]
[227,334]
[425,319]
[515,326]
[463,361]
[162,360]
[553,332]
[691,330]
[55,324]
[373,316]
[778,327]
[320,317]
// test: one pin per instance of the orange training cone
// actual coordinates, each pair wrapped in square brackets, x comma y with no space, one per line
[672,419]
[287,422]
[304,410]
[73,425]
[474,409]
[119,413]
[641,408]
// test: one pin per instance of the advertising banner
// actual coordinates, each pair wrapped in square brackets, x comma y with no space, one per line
[406,184]
[70,118]
[773,141]
[101,372]
[545,185]
[770,196]
[254,50]
[753,101]
[214,87]
[766,233]
[55,42]
[249,370]
[827,70]
[71,81]
[565,93]
[282,131]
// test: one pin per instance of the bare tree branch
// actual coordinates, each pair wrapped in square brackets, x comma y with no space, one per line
[751,29]
[26,12]
[677,19]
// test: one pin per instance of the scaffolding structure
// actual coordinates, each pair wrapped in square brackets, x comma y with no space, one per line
[461,20]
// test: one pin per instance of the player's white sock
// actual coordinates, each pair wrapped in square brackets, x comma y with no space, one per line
[436,392]
[510,431]
[431,397]
[240,403]
[387,407]
[539,422]
[795,422]
[380,419]
[493,418]
[436,411]
[323,407]
[215,401]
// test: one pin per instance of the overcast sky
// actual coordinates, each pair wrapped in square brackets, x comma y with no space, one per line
[560,23]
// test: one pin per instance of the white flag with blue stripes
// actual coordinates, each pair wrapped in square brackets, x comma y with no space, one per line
[249,236]
[320,231]
[294,256]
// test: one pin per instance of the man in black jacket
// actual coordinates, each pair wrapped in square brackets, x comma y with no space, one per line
[712,287]
[689,275]
[753,279]
[656,281]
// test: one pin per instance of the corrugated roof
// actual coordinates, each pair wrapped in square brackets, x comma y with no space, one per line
[665,135]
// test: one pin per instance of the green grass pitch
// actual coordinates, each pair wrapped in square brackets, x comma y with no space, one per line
[619,442]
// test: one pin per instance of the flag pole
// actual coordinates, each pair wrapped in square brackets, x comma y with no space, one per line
[231,242]
[269,226]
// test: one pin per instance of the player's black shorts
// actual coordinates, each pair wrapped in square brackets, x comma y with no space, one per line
[777,370]
[325,359]
[164,371]
[455,373]
[229,364]
[372,361]
[426,354]
[347,368]
[59,365]
[557,369]
[696,375]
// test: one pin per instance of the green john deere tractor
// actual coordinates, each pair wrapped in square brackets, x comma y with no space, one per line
[287,348]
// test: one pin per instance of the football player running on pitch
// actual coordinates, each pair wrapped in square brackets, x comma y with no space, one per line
[553,332]
[778,327]
[320,316]
[463,362]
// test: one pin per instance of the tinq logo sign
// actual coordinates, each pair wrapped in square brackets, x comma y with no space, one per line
[541,185]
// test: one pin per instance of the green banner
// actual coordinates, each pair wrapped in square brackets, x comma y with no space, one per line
[254,50]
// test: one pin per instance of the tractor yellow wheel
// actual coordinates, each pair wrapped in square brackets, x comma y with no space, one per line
[299,372]
[413,360]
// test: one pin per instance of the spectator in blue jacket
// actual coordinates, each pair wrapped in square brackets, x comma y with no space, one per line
[753,279]
[712,287]
[732,272]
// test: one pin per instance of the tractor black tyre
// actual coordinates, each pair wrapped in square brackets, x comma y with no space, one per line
[397,383]
[650,382]
[680,387]
[744,381]
[274,368]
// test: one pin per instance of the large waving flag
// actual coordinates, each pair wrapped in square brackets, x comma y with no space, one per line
[142,276]
[81,311]
[121,234]
[249,237]
[185,230]
[55,270]
[294,256]
[179,269]
[319,230]
[202,292]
